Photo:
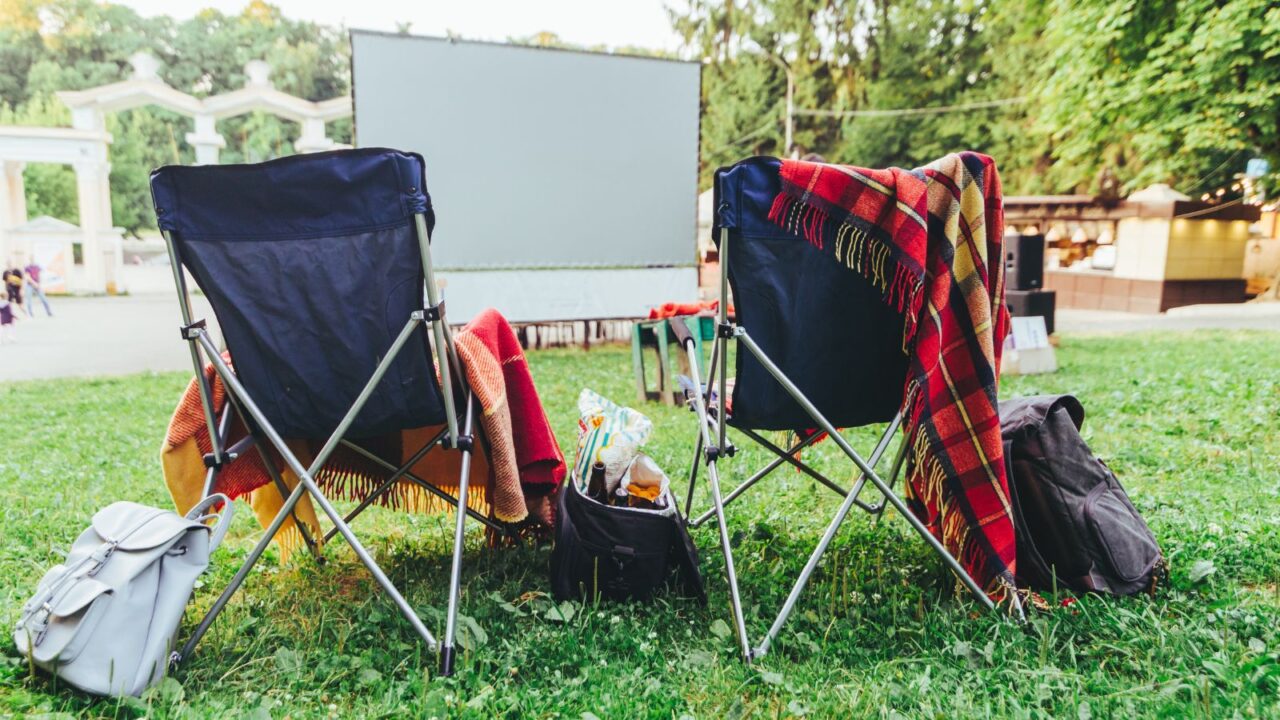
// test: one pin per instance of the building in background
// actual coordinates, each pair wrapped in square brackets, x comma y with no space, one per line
[1155,250]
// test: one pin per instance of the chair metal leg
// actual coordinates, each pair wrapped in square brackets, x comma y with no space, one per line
[307,483]
[312,546]
[844,446]
[184,307]
[210,476]
[452,500]
[251,439]
[706,401]
[759,475]
[832,528]
[693,476]
[731,573]
[447,653]
[438,328]
[388,483]
[789,458]
[713,481]
[238,579]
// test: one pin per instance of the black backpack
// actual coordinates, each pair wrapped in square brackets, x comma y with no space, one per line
[619,553]
[1076,528]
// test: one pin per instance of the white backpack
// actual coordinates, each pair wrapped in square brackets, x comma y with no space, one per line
[106,619]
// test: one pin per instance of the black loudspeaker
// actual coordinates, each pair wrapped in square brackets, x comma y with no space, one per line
[1024,261]
[1026,303]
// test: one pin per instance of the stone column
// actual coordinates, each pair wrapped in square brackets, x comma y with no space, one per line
[92,188]
[13,204]
[88,118]
[206,140]
[312,138]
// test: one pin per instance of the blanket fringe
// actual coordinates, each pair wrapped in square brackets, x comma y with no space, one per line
[926,477]
[857,249]
[405,496]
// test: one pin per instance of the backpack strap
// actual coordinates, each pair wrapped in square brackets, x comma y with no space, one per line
[1027,549]
[199,514]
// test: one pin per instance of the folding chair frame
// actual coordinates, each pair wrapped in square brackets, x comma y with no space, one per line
[712,445]
[262,433]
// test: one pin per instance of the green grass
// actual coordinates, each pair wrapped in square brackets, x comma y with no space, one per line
[1189,422]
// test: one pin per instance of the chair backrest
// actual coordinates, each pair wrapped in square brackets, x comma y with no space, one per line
[824,325]
[312,265]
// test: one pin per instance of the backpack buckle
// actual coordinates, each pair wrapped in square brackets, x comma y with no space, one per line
[101,555]
[40,625]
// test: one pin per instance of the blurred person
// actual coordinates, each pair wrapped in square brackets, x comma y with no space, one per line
[8,317]
[13,284]
[34,290]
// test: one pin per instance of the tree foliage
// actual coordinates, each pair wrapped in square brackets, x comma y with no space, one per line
[1162,91]
[52,45]
[1177,91]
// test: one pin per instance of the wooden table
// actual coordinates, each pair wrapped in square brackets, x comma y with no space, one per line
[657,334]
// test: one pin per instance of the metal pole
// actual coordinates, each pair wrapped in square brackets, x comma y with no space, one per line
[713,481]
[240,575]
[455,570]
[433,299]
[746,484]
[693,476]
[843,444]
[386,484]
[823,479]
[821,549]
[210,476]
[428,486]
[697,451]
[451,344]
[723,310]
[305,476]
[184,306]
[278,481]
[789,127]
[284,491]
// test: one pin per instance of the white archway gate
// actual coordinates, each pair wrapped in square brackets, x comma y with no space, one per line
[84,147]
[86,152]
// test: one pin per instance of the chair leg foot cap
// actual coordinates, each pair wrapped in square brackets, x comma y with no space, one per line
[447,654]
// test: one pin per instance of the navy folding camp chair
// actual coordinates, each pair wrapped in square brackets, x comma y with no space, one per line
[315,266]
[823,351]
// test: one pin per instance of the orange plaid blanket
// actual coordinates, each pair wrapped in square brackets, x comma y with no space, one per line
[930,239]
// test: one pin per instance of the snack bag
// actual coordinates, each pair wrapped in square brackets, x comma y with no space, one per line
[607,433]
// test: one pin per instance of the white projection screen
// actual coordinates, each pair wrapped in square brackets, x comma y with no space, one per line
[565,183]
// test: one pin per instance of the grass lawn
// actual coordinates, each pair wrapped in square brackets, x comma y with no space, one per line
[1190,422]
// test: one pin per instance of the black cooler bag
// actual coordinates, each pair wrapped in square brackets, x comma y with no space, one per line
[619,553]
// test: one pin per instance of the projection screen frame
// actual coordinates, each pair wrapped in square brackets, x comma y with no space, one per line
[618,289]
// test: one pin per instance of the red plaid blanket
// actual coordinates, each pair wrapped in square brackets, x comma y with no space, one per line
[930,239]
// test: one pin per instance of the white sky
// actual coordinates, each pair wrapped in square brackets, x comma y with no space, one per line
[614,23]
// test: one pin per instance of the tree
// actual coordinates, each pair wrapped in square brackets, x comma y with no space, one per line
[1165,91]
[852,56]
[52,45]
[1162,91]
